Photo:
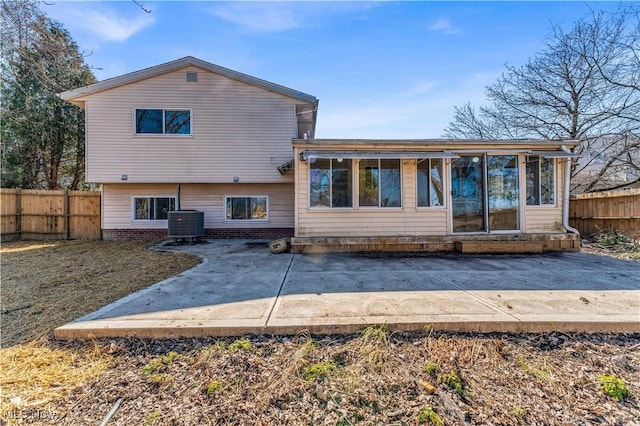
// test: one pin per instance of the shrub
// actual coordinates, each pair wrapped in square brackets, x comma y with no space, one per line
[428,416]
[613,386]
[315,371]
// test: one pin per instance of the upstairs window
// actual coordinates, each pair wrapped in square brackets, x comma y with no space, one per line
[163,121]
[379,183]
[430,183]
[330,183]
[540,181]
[152,208]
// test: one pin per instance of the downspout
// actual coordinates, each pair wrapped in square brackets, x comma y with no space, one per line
[565,195]
[179,189]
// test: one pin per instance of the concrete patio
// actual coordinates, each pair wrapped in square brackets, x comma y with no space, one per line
[241,288]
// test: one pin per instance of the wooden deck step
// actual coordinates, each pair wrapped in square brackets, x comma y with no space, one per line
[499,247]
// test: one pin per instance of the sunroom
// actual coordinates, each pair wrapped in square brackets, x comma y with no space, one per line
[432,195]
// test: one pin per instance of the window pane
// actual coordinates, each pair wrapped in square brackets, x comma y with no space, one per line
[368,182]
[142,208]
[319,183]
[239,208]
[533,181]
[177,122]
[423,183]
[436,194]
[162,206]
[246,208]
[148,121]
[341,194]
[229,208]
[547,193]
[467,193]
[259,208]
[390,192]
[503,190]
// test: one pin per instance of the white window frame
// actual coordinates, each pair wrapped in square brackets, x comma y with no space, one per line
[554,183]
[224,208]
[163,134]
[444,184]
[379,206]
[133,207]
[354,190]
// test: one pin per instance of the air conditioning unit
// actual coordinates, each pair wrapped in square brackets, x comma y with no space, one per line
[185,224]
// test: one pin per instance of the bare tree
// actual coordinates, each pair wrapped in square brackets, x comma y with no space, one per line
[583,85]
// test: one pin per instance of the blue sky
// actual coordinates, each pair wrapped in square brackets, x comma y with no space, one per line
[380,70]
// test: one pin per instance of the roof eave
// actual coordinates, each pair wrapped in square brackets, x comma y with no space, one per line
[570,143]
[143,74]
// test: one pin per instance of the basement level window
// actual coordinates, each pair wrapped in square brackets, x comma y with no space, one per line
[152,208]
[247,208]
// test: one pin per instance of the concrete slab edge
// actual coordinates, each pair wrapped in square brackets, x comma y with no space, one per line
[69,332]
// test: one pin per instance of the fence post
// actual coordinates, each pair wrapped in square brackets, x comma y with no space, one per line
[66,215]
[19,213]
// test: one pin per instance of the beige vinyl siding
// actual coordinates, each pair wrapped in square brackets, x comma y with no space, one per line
[237,130]
[544,219]
[367,221]
[117,204]
[410,220]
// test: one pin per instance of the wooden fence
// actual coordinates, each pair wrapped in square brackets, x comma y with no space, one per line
[49,215]
[606,211]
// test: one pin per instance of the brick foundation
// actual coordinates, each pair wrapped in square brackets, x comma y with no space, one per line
[139,234]
[248,232]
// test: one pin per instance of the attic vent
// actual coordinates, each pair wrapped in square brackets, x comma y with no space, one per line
[192,77]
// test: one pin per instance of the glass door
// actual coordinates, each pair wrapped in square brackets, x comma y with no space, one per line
[485,193]
[503,191]
[467,194]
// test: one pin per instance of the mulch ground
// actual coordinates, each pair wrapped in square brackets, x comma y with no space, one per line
[370,378]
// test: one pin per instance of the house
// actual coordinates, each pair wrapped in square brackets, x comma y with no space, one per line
[189,134]
[192,135]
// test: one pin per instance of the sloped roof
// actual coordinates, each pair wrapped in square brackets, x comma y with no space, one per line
[135,76]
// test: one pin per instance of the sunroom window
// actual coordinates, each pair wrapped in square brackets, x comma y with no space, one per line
[163,121]
[540,181]
[153,208]
[430,182]
[247,208]
[330,183]
[379,183]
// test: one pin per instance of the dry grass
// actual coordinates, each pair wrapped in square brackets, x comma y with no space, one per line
[47,284]
[37,372]
[613,244]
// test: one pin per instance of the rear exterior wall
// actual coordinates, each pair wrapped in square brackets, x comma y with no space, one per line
[118,216]
[238,130]
[411,220]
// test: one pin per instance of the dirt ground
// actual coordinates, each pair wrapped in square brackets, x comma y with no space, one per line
[371,378]
[46,284]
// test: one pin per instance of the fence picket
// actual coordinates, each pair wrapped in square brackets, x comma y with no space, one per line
[46,215]
[597,212]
